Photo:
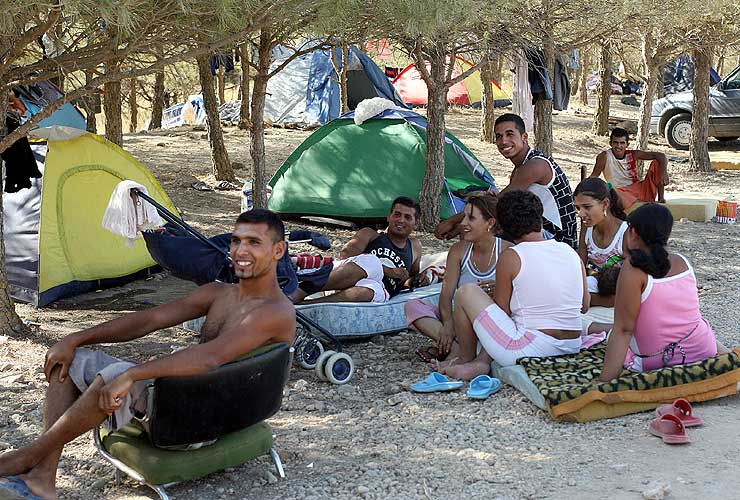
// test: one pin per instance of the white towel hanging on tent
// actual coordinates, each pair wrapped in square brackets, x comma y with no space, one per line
[126,215]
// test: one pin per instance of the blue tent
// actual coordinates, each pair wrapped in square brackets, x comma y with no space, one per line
[678,75]
[306,91]
[38,95]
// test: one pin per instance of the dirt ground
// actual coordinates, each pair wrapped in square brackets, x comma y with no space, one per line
[371,438]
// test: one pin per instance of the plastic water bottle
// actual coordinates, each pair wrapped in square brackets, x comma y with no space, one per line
[247,197]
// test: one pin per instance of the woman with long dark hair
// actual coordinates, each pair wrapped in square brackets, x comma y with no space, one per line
[601,242]
[657,321]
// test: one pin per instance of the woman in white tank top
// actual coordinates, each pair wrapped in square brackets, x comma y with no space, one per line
[539,296]
[472,260]
[601,242]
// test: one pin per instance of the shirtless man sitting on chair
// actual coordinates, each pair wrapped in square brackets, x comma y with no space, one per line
[86,387]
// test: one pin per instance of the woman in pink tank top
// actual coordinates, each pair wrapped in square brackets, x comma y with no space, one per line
[657,321]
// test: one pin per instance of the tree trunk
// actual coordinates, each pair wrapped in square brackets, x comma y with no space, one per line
[584,76]
[721,61]
[9,320]
[133,106]
[112,111]
[157,101]
[431,186]
[603,91]
[221,73]
[698,149]
[487,103]
[219,156]
[497,69]
[257,146]
[343,89]
[543,107]
[89,103]
[245,122]
[651,67]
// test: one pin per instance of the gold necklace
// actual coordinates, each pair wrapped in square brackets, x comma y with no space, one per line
[490,258]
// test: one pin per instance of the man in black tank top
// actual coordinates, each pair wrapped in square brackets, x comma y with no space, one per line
[535,172]
[376,265]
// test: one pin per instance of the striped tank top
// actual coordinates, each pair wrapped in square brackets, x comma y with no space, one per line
[468,272]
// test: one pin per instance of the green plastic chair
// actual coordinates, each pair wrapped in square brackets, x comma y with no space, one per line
[228,405]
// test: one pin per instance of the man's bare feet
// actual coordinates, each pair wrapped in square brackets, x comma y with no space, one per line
[441,366]
[40,486]
[467,371]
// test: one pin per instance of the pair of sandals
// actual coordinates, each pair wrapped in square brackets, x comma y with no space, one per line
[480,387]
[672,420]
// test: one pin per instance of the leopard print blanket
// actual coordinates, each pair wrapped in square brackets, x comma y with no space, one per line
[563,378]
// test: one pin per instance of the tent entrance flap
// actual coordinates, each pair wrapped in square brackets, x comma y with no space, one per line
[359,88]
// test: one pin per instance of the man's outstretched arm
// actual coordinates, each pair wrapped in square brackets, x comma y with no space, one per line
[652,155]
[130,326]
[270,323]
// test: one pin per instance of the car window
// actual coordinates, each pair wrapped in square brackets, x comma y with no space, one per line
[734,82]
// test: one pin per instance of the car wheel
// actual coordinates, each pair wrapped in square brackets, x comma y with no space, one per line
[727,139]
[678,131]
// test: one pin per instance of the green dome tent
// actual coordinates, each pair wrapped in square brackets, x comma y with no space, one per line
[348,171]
[55,245]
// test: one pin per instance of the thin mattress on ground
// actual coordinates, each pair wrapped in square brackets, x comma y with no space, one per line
[567,388]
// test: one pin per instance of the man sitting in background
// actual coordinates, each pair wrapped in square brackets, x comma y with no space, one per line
[619,166]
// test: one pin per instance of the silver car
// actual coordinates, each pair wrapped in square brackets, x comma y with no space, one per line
[671,115]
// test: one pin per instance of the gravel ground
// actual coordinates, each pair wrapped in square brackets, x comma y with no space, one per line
[371,438]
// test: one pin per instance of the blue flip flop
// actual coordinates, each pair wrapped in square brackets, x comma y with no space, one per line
[483,386]
[13,487]
[436,382]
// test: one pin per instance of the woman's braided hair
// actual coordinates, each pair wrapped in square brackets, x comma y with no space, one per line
[653,223]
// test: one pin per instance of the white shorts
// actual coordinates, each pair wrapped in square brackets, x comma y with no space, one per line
[374,271]
[505,342]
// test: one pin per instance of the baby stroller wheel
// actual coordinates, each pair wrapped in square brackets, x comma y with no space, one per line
[309,352]
[339,368]
[321,364]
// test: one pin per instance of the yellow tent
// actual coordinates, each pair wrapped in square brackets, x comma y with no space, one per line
[55,243]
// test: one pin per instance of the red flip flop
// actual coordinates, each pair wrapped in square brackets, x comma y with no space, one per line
[681,409]
[670,428]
